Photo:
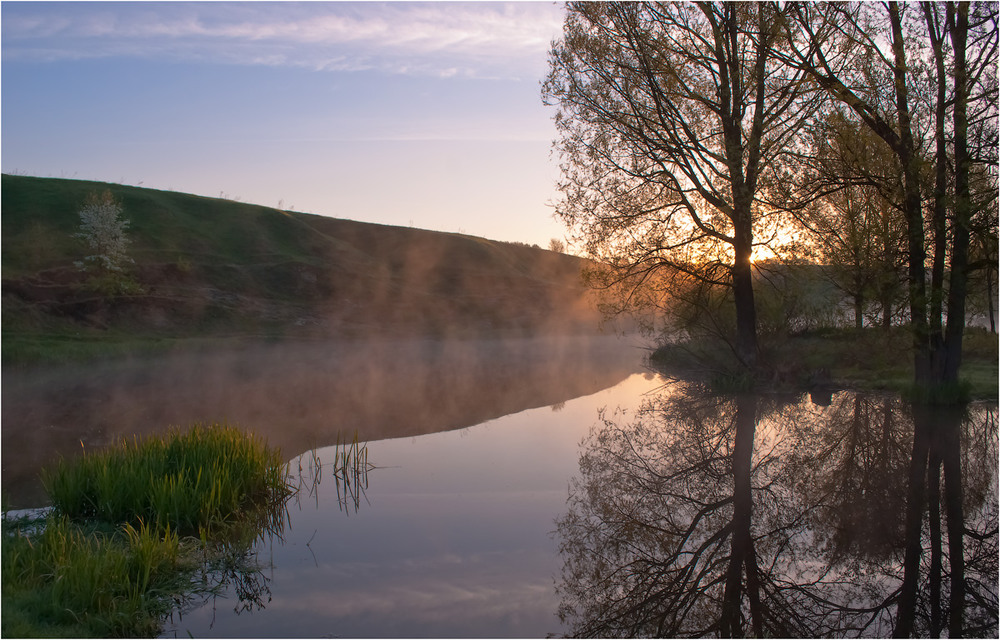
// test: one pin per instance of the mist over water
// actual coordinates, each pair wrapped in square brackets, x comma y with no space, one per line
[298,395]
[519,486]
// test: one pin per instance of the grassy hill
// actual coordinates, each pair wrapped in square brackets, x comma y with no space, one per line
[217,269]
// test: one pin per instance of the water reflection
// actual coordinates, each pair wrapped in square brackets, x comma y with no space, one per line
[348,471]
[741,515]
[452,537]
[237,572]
[299,396]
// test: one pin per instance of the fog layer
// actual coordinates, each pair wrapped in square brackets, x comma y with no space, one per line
[297,395]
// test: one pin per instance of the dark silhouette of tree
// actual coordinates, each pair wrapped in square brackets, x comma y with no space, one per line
[886,92]
[944,589]
[739,515]
[673,118]
[854,464]
[856,223]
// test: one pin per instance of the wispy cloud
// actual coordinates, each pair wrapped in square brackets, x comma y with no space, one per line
[441,39]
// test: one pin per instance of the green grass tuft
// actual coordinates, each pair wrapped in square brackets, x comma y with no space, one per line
[66,580]
[204,478]
[130,525]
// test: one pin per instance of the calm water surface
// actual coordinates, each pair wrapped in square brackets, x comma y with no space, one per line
[299,396]
[650,508]
[454,536]
[533,487]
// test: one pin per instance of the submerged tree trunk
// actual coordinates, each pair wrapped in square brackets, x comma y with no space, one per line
[934,522]
[907,601]
[951,458]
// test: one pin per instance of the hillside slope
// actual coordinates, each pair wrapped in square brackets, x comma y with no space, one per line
[217,268]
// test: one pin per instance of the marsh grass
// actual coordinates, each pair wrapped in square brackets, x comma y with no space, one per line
[70,580]
[204,478]
[131,525]
[350,473]
[349,468]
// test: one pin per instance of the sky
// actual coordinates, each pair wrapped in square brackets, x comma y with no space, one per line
[413,114]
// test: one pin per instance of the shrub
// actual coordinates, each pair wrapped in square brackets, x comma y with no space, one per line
[103,228]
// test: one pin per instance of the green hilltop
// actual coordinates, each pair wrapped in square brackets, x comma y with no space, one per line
[214,269]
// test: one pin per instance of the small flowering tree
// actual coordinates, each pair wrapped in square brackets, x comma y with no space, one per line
[103,228]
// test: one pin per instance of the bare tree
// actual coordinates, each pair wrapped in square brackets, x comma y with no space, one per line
[857,223]
[890,47]
[673,118]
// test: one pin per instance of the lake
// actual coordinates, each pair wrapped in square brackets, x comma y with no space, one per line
[534,487]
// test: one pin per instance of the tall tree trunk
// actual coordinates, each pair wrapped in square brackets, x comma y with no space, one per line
[743,162]
[887,309]
[938,217]
[912,210]
[746,312]
[958,285]
[989,298]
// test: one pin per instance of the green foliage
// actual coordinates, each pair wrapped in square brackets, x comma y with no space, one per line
[792,298]
[61,346]
[732,382]
[201,479]
[66,580]
[871,358]
[218,269]
[103,228]
[789,299]
[164,226]
[114,284]
[110,559]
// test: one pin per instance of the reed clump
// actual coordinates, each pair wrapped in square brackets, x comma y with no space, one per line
[202,478]
[129,527]
[65,580]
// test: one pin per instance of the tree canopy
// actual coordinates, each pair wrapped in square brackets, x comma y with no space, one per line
[673,118]
[692,133]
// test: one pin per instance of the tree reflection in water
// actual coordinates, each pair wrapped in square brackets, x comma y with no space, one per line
[754,515]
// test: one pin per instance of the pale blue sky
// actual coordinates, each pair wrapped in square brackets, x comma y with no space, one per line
[422,114]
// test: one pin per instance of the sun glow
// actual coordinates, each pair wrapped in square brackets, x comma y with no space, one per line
[782,243]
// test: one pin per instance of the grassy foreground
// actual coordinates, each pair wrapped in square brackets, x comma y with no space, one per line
[870,359]
[130,526]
